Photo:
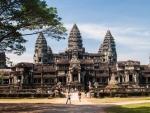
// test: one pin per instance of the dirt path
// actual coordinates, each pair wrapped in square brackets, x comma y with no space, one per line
[57,106]
[53,106]
[49,108]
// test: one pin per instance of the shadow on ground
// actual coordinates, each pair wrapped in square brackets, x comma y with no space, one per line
[50,108]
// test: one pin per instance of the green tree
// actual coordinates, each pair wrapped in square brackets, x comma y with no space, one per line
[34,16]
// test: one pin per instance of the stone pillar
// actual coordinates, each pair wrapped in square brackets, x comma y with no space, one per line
[123,80]
[125,77]
[22,79]
[137,78]
[79,77]
[119,77]
[9,80]
[15,79]
[134,77]
[71,77]
[147,82]
[67,79]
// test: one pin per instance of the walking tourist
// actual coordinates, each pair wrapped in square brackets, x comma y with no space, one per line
[68,98]
[79,95]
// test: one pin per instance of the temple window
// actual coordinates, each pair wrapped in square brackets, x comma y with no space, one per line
[103,80]
[120,79]
[39,59]
[130,78]
[51,81]
[46,80]
[37,80]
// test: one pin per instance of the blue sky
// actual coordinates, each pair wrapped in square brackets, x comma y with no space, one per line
[128,21]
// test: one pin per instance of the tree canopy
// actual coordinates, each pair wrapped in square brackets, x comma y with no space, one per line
[17,16]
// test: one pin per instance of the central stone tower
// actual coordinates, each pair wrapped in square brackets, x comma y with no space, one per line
[75,46]
[75,52]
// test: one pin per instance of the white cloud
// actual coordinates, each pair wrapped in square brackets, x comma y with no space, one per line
[23,58]
[122,35]
[142,57]
[90,30]
[136,41]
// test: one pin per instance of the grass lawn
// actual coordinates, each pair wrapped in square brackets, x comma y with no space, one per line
[130,108]
[116,99]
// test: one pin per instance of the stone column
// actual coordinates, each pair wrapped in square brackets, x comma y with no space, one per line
[147,82]
[134,77]
[126,77]
[119,77]
[71,77]
[9,80]
[79,77]
[15,80]
[22,79]
[137,78]
[123,79]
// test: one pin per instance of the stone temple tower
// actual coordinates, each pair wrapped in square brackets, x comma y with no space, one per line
[108,49]
[40,55]
[50,54]
[75,40]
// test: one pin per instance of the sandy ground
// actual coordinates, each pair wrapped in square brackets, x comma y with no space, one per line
[56,105]
[50,106]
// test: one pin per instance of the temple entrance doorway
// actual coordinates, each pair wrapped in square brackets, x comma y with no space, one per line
[130,78]
[87,79]
[120,79]
[75,76]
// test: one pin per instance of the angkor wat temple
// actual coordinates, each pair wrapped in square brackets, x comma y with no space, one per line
[75,66]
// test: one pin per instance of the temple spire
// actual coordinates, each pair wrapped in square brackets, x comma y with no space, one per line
[50,54]
[108,49]
[75,28]
[40,55]
[75,40]
[108,34]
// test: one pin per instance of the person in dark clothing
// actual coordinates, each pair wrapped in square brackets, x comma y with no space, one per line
[68,98]
[79,95]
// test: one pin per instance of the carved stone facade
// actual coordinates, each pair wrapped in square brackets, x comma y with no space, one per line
[74,70]
[77,67]
[128,72]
